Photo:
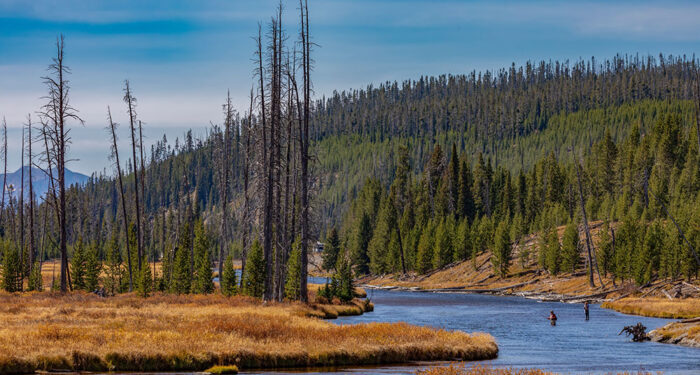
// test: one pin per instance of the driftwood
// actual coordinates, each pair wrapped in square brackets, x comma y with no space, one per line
[654,288]
[690,285]
[638,332]
[591,296]
[666,294]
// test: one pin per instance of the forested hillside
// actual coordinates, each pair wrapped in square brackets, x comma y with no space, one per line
[514,116]
[518,126]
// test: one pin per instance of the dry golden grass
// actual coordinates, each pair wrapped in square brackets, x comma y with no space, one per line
[184,333]
[486,370]
[678,333]
[657,307]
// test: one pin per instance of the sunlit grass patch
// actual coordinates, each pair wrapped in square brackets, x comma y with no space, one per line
[657,307]
[81,331]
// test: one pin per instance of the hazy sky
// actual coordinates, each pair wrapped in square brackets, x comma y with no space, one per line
[182,56]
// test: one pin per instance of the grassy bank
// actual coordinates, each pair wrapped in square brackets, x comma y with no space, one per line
[682,333]
[657,307]
[192,333]
[485,370]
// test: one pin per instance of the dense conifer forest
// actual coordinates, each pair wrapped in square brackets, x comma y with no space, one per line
[407,176]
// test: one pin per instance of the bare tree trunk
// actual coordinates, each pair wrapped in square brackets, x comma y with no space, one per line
[304,148]
[31,200]
[130,100]
[115,153]
[57,112]
[585,224]
[246,178]
[20,208]
[4,172]
[143,203]
[225,168]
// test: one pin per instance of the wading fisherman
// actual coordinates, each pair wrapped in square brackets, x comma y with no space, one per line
[552,318]
[585,309]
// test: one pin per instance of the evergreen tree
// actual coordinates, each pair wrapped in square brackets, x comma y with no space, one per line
[604,253]
[346,288]
[502,250]
[93,268]
[11,271]
[571,248]
[254,278]
[331,250]
[292,284]
[443,252]
[229,286]
[35,279]
[113,279]
[424,260]
[202,282]
[364,235]
[182,275]
[144,283]
[78,269]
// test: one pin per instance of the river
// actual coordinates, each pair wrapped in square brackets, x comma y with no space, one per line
[524,335]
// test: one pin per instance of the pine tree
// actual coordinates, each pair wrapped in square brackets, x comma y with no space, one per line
[381,236]
[364,235]
[93,268]
[605,248]
[331,250]
[78,269]
[202,282]
[11,271]
[254,278]
[424,260]
[571,248]
[502,249]
[345,289]
[443,243]
[114,272]
[465,202]
[229,285]
[182,275]
[35,279]
[291,286]
[144,284]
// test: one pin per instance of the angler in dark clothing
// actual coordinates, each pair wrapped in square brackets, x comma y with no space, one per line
[552,318]
[585,309]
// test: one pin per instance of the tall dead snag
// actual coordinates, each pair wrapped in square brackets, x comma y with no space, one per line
[304,146]
[31,249]
[115,155]
[589,242]
[144,235]
[57,112]
[276,136]
[267,173]
[224,180]
[4,170]
[130,101]
[246,179]
[20,209]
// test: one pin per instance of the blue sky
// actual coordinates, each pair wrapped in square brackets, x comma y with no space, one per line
[182,56]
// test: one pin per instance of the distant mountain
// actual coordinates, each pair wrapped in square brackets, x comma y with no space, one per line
[40,180]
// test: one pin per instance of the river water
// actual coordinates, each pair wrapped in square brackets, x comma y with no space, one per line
[524,336]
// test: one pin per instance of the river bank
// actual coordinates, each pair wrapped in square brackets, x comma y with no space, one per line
[84,332]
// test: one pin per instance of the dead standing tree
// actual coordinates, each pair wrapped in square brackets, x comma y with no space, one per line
[130,101]
[56,114]
[304,145]
[112,129]
[246,180]
[224,179]
[31,249]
